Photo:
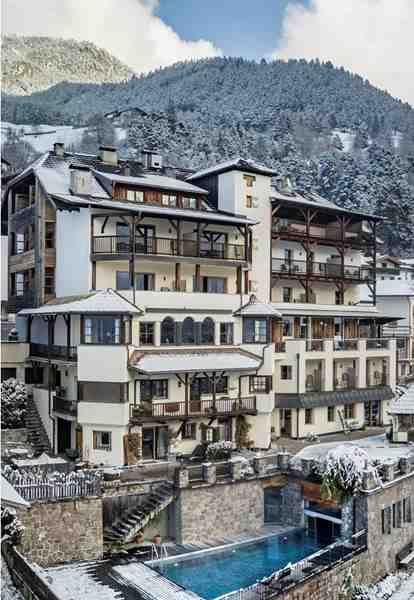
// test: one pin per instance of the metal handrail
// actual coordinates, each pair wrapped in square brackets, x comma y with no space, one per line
[324,270]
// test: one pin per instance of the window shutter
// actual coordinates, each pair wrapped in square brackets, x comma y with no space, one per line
[178,333]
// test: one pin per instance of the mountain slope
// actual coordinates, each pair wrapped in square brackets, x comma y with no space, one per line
[32,64]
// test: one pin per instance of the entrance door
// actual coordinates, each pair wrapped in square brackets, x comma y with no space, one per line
[64,430]
[372,413]
[154,443]
[286,428]
[148,443]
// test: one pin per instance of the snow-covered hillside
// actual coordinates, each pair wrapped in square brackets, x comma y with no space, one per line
[32,64]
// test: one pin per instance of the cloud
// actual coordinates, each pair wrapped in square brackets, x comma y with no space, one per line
[374,38]
[129,29]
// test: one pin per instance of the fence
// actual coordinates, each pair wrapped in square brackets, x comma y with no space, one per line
[290,576]
[35,486]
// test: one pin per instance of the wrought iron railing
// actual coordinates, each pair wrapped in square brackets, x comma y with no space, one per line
[378,344]
[222,406]
[314,345]
[114,244]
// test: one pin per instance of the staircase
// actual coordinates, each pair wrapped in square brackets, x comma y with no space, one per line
[125,529]
[35,429]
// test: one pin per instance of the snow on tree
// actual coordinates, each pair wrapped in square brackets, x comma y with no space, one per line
[342,471]
[14,404]
[11,527]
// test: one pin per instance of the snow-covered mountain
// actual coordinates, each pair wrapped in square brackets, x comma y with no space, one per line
[32,64]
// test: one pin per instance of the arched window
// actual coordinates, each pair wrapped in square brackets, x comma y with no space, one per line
[207,331]
[168,331]
[188,331]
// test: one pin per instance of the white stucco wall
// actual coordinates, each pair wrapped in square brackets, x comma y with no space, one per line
[73,268]
[4,268]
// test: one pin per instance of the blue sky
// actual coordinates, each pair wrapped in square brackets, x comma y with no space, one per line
[248,28]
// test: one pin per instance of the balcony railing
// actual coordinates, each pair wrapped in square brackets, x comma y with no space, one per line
[322,270]
[114,244]
[54,352]
[377,380]
[314,345]
[315,385]
[67,407]
[346,383]
[16,303]
[280,346]
[378,344]
[330,234]
[345,345]
[173,410]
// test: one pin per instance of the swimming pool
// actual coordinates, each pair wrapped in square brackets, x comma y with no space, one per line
[216,573]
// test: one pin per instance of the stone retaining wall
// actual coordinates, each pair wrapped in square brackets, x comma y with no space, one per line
[56,532]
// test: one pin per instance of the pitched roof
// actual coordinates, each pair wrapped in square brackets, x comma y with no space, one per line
[404,405]
[104,301]
[170,362]
[10,497]
[255,308]
[234,164]
[153,181]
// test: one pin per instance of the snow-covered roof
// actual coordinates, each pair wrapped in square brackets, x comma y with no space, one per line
[404,405]
[10,497]
[152,363]
[43,459]
[153,210]
[255,308]
[395,288]
[154,181]
[104,301]
[237,164]
[329,310]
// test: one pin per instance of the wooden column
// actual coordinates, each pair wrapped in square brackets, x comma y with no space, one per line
[239,276]
[178,277]
[67,319]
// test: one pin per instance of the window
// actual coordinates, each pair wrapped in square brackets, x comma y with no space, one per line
[122,280]
[102,440]
[188,331]
[226,333]
[212,285]
[288,255]
[308,416]
[349,411]
[249,180]
[287,327]
[386,520]
[249,201]
[260,384]
[331,414]
[407,510]
[155,389]
[146,334]
[144,281]
[33,375]
[207,331]
[339,297]
[396,515]
[189,431]
[285,372]
[287,294]
[102,330]
[49,280]
[255,331]
[135,196]
[49,235]
[169,200]
[168,331]
[187,202]
[204,386]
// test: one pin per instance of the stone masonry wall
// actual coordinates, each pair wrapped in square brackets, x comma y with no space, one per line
[218,511]
[57,532]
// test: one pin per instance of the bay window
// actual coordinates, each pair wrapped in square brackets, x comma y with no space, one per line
[104,330]
[256,330]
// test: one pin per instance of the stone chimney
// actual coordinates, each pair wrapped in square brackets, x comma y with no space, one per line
[80,179]
[108,154]
[59,149]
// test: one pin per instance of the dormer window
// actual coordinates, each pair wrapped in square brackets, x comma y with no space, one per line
[188,202]
[135,195]
[169,200]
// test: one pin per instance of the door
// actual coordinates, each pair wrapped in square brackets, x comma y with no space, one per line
[122,238]
[195,396]
[148,443]
[145,239]
[64,430]
[372,413]
[287,422]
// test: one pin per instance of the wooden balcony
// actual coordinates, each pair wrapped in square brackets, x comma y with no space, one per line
[107,246]
[66,353]
[328,236]
[323,271]
[232,407]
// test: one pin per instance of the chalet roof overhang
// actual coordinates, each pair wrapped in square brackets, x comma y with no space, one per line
[75,203]
[291,208]
[330,312]
[338,398]
[236,164]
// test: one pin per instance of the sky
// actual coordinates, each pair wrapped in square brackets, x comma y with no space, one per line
[374,38]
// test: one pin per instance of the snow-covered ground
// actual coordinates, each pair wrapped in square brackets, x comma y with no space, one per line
[394,587]
[346,137]
[42,137]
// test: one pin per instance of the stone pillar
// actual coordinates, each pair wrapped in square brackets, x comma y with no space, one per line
[236,466]
[388,472]
[181,477]
[347,514]
[259,465]
[209,473]
[369,481]
[405,464]
[292,505]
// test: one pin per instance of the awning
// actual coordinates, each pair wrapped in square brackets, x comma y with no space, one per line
[367,313]
[101,302]
[338,398]
[157,363]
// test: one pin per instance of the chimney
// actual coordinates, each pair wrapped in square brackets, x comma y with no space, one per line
[126,170]
[151,159]
[59,149]
[108,154]
[80,179]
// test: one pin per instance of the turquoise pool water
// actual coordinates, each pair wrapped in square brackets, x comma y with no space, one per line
[220,572]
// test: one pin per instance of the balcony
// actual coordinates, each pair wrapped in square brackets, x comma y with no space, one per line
[378,379]
[148,411]
[318,270]
[346,345]
[18,302]
[64,406]
[327,235]
[348,381]
[119,246]
[54,352]
[314,345]
[378,344]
